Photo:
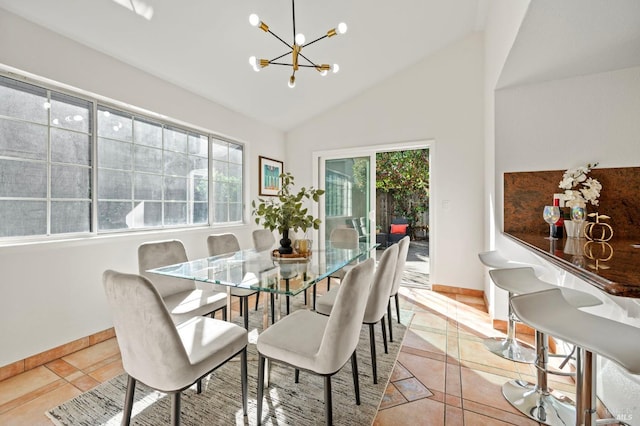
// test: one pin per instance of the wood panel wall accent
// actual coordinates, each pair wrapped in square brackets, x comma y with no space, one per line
[526,194]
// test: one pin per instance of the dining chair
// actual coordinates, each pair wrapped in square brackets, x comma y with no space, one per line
[377,301]
[183,299]
[403,250]
[219,244]
[263,239]
[346,238]
[317,343]
[164,356]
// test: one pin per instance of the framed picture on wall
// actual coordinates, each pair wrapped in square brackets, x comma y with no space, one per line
[270,171]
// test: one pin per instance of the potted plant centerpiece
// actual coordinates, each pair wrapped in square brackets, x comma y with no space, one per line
[286,211]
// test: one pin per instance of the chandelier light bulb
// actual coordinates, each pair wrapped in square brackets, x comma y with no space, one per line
[335,68]
[292,82]
[254,20]
[324,72]
[252,61]
[300,39]
[342,28]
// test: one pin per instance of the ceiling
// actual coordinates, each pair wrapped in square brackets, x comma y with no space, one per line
[204,45]
[568,38]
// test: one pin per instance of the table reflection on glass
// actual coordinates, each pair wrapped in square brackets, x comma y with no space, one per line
[282,277]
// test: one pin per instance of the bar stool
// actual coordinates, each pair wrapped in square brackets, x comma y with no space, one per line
[550,311]
[508,347]
[536,400]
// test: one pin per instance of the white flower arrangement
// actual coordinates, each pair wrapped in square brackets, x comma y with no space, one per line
[580,189]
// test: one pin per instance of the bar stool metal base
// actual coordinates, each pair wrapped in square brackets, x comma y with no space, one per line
[550,408]
[511,349]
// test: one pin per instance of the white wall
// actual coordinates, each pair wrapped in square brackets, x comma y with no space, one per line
[504,18]
[52,293]
[437,99]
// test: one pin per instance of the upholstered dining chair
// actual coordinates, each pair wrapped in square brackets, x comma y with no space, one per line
[228,243]
[263,239]
[183,299]
[319,344]
[346,238]
[377,301]
[403,250]
[165,356]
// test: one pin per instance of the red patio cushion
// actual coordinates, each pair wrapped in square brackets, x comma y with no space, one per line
[399,228]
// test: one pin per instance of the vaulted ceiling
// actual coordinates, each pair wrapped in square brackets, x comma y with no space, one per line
[204,45]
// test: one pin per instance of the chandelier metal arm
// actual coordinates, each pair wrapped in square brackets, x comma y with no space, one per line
[318,39]
[278,37]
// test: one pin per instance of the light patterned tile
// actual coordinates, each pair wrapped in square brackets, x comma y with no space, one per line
[399,373]
[25,383]
[391,397]
[420,412]
[412,389]
[87,357]
[32,412]
[430,372]
[84,383]
[61,368]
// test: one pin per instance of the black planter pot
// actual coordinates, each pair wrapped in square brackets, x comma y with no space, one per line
[285,243]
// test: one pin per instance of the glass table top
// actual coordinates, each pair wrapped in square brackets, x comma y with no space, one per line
[265,272]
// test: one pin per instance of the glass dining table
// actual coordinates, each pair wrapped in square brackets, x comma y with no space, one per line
[281,277]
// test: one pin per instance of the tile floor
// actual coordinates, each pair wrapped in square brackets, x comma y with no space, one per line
[443,376]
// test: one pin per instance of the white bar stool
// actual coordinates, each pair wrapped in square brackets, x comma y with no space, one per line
[536,400]
[550,311]
[508,348]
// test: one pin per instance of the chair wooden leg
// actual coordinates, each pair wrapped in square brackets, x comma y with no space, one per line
[384,336]
[241,300]
[356,379]
[199,387]
[224,313]
[245,311]
[398,307]
[175,408]
[260,393]
[297,376]
[128,401]
[257,300]
[389,320]
[243,372]
[328,283]
[374,365]
[328,403]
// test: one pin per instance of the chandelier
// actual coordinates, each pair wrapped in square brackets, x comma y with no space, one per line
[295,49]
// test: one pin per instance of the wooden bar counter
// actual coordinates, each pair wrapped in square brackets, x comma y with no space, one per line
[613,267]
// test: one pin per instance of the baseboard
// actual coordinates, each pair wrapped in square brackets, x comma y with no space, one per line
[457,290]
[42,358]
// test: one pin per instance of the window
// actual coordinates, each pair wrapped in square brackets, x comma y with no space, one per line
[149,174]
[45,161]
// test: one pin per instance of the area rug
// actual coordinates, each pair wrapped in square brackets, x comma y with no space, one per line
[286,402]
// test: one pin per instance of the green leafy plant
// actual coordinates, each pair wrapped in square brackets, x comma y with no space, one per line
[286,211]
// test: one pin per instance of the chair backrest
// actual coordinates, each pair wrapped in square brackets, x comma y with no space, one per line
[263,239]
[151,348]
[342,332]
[381,286]
[163,253]
[344,238]
[222,244]
[403,250]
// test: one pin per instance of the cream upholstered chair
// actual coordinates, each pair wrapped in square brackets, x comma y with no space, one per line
[228,243]
[165,356]
[263,239]
[346,238]
[403,250]
[376,303]
[317,343]
[183,299]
